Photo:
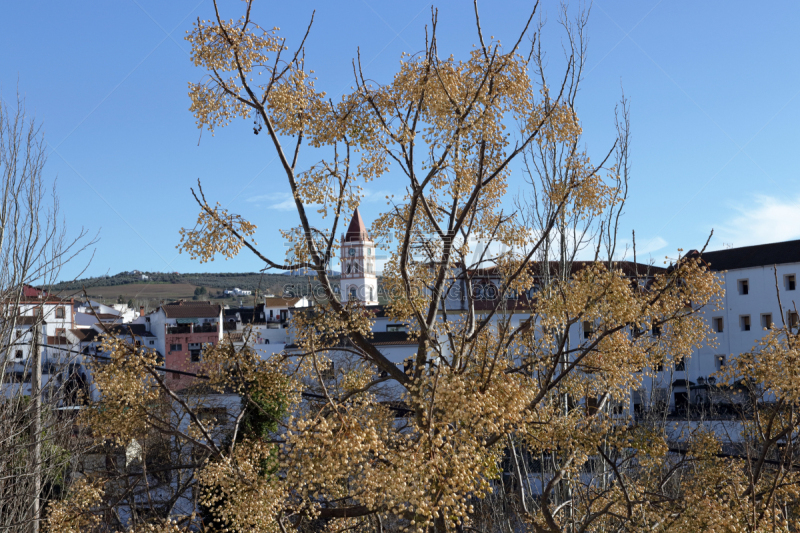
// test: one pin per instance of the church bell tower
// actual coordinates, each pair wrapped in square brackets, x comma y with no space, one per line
[359,279]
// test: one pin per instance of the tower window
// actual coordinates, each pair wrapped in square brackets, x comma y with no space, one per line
[371,294]
[353,293]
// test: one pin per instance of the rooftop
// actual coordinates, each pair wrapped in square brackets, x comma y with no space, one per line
[194,309]
[357,231]
[776,253]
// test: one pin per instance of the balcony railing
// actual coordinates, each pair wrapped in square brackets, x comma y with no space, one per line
[192,328]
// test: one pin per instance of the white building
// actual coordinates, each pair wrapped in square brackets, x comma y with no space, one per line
[749,306]
[236,292]
[89,313]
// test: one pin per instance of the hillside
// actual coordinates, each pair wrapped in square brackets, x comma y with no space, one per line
[131,287]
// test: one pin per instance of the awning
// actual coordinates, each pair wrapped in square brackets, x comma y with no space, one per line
[187,320]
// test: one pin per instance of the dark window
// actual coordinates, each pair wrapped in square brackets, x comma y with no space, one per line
[766,320]
[720,362]
[59,312]
[718,324]
[395,327]
[175,375]
[176,347]
[790,281]
[745,320]
[656,330]
[743,286]
[326,371]
[680,366]
[212,415]
[490,292]
[408,366]
[587,330]
[793,319]
[18,354]
[591,405]
[152,343]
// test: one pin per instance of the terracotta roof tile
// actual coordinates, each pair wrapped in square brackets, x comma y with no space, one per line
[357,231]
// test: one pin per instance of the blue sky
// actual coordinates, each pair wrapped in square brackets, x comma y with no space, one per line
[713,88]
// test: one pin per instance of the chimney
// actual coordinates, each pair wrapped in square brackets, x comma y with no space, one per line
[141,310]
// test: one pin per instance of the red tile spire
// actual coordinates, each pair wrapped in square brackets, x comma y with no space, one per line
[357,230]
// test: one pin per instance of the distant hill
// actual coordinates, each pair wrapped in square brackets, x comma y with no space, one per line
[158,286]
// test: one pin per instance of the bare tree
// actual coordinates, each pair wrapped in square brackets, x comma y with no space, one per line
[37,444]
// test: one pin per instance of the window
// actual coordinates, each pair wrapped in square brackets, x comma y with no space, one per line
[793,319]
[327,371]
[18,354]
[718,324]
[408,366]
[353,293]
[766,320]
[176,347]
[789,282]
[478,292]
[660,366]
[175,375]
[680,366]
[395,327]
[720,361]
[511,294]
[744,286]
[744,322]
[212,415]
[371,295]
[194,351]
[59,312]
[587,330]
[490,292]
[656,330]
[152,343]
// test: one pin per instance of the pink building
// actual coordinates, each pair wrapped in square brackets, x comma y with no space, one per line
[181,329]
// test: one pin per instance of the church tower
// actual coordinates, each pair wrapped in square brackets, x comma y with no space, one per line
[359,279]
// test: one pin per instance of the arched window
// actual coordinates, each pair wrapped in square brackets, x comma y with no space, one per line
[349,268]
[371,294]
[353,293]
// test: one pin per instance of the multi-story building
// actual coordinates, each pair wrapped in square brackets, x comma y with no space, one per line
[181,330]
[753,280]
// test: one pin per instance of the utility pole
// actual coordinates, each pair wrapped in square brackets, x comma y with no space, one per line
[36,426]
